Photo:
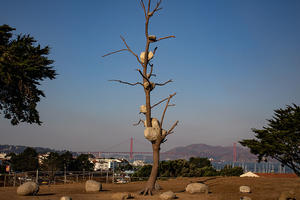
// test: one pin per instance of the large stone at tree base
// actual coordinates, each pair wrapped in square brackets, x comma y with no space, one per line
[167,195]
[65,198]
[245,189]
[93,186]
[197,188]
[28,188]
[121,196]
[287,195]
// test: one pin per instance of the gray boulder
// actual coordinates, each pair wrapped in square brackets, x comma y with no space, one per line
[65,198]
[93,186]
[121,196]
[167,195]
[28,188]
[287,195]
[245,189]
[197,188]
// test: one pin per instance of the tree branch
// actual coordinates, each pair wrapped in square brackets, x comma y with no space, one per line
[143,76]
[171,129]
[161,101]
[143,6]
[151,70]
[154,51]
[148,8]
[161,84]
[132,84]
[157,8]
[114,52]
[139,122]
[171,36]
[167,104]
[128,48]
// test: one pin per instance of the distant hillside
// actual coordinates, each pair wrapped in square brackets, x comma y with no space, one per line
[218,153]
[19,149]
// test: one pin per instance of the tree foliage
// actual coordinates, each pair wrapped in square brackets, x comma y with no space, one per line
[82,163]
[52,162]
[195,167]
[228,170]
[56,162]
[23,65]
[26,161]
[280,139]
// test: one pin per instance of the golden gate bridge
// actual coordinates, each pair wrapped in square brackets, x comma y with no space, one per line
[131,153]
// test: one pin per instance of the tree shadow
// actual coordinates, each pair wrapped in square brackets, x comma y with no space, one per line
[208,179]
[105,190]
[45,194]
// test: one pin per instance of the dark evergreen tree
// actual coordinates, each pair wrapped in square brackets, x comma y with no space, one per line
[228,170]
[196,162]
[82,163]
[280,139]
[67,161]
[23,66]
[52,162]
[26,161]
[195,167]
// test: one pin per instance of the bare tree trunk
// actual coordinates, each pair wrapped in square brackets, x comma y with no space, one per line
[154,172]
[148,107]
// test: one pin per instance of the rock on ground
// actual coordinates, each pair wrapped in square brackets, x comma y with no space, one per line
[121,196]
[93,186]
[65,198]
[245,189]
[287,195]
[197,188]
[167,195]
[28,188]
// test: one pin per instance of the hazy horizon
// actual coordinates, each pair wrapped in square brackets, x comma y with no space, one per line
[232,62]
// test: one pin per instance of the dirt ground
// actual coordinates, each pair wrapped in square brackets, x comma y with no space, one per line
[221,188]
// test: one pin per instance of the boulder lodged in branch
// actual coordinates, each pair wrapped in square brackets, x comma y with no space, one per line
[152,38]
[151,133]
[155,123]
[143,109]
[148,86]
[142,56]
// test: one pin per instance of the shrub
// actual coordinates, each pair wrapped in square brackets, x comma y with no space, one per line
[228,170]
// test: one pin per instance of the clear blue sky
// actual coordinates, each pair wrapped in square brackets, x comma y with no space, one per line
[233,62]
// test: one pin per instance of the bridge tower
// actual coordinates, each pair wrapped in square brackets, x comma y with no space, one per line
[131,148]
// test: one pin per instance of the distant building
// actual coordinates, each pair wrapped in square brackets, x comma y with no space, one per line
[107,163]
[3,156]
[42,157]
[137,163]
